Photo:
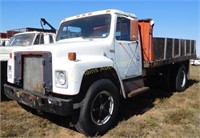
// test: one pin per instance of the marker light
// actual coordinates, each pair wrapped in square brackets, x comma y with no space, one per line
[72,56]
[10,55]
[108,11]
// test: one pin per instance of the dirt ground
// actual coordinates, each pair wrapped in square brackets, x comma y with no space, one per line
[155,113]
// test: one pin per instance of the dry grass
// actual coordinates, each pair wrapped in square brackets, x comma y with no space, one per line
[152,114]
[171,115]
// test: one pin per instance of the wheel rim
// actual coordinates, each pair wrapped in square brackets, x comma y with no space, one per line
[183,78]
[102,108]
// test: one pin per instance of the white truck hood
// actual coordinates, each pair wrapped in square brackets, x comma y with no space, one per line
[62,48]
[89,53]
[5,52]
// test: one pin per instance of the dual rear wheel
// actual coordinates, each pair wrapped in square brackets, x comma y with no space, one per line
[180,79]
[172,78]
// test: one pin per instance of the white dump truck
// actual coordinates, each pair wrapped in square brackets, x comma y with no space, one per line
[98,58]
[29,38]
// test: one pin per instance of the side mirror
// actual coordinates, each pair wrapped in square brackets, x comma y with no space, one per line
[134,30]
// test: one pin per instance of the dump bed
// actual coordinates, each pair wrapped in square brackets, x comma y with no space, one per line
[159,51]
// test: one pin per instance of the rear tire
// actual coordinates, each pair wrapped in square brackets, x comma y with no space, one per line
[100,108]
[181,79]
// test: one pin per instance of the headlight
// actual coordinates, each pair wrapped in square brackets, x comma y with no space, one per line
[61,79]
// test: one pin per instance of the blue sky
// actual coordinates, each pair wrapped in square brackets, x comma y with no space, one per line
[173,18]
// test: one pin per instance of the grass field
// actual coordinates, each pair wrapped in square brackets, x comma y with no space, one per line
[152,114]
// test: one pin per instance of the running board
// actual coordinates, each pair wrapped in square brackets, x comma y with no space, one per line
[137,91]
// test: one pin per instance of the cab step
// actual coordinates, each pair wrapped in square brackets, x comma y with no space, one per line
[137,91]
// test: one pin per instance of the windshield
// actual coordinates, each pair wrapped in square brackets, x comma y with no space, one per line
[22,40]
[88,27]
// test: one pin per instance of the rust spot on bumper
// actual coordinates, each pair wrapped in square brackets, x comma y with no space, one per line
[41,102]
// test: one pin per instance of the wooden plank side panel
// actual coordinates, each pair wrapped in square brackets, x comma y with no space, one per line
[159,46]
[188,47]
[183,49]
[171,50]
[176,48]
[193,47]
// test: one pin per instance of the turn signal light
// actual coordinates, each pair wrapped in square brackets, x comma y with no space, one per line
[72,56]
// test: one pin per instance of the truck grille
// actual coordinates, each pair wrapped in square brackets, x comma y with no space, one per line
[33,71]
[33,74]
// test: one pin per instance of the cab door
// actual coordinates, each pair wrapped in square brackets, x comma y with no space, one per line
[128,60]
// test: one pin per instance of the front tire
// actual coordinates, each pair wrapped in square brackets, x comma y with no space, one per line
[100,108]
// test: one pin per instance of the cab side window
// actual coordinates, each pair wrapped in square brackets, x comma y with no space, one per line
[123,29]
[39,39]
[51,39]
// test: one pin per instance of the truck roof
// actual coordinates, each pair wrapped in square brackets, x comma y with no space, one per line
[35,32]
[114,11]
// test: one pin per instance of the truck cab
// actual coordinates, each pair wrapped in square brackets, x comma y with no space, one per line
[25,39]
[4,41]
[98,58]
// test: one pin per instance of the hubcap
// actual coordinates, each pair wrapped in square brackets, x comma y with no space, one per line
[102,108]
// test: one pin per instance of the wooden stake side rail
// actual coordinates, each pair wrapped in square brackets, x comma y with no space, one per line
[169,51]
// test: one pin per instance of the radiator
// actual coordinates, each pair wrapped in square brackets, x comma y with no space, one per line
[33,74]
